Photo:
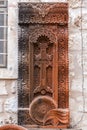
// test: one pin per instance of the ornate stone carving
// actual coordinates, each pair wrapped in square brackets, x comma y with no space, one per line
[56,116]
[42,61]
[43,65]
[40,106]
[43,13]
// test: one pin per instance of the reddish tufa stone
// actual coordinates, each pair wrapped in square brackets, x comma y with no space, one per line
[43,65]
[12,127]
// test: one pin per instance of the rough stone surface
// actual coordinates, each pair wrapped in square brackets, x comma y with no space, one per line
[78,90]
[14,87]
[7,118]
[1,106]
[10,105]
[3,90]
[75,41]
[8,101]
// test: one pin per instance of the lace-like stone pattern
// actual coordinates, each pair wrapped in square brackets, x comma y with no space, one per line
[43,65]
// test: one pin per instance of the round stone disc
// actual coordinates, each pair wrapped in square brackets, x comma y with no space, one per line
[40,106]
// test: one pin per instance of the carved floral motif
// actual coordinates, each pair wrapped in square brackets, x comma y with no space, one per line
[43,65]
[40,106]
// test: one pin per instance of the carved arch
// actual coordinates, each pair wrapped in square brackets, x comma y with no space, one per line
[36,100]
[42,32]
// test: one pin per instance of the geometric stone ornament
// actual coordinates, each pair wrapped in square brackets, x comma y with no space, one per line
[43,88]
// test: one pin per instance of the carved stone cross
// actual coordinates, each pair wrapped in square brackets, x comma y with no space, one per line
[42,61]
[43,65]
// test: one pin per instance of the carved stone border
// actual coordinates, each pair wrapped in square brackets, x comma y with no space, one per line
[41,15]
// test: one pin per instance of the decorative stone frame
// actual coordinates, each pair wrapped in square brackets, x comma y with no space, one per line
[43,21]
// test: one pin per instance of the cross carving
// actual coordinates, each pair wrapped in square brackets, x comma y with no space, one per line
[43,60]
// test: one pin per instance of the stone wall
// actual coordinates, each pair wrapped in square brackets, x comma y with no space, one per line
[78,92]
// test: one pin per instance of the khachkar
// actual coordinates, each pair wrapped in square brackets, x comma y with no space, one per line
[43,65]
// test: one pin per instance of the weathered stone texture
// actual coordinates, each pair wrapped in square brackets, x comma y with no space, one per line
[8,101]
[75,41]
[1,106]
[10,105]
[7,118]
[8,88]
[3,90]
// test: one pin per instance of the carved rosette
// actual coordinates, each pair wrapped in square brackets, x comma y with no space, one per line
[39,108]
[43,65]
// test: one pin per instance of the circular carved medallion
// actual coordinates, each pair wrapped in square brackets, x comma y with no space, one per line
[39,108]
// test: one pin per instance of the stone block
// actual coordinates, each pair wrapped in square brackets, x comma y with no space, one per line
[75,41]
[84,3]
[7,118]
[76,84]
[72,101]
[74,3]
[76,102]
[3,91]
[75,64]
[84,36]
[83,122]
[11,86]
[74,19]
[12,3]
[75,120]
[13,18]
[14,87]
[10,105]
[1,106]
[85,62]
[84,17]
